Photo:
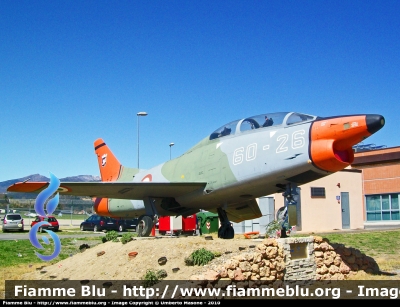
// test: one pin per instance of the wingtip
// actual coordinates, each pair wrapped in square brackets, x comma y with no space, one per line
[27,187]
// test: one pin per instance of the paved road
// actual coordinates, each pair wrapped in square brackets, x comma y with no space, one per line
[25,235]
[66,226]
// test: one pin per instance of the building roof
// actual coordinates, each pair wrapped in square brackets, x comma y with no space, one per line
[381,155]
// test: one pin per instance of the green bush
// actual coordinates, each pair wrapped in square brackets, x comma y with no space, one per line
[273,228]
[217,254]
[162,274]
[151,277]
[126,237]
[201,257]
[111,236]
[189,261]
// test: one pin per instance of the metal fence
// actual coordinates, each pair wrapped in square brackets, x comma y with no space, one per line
[65,206]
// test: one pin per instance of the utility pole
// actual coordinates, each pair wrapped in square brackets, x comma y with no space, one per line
[138,115]
[170,145]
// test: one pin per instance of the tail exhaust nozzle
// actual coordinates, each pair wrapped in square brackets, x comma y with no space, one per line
[101,206]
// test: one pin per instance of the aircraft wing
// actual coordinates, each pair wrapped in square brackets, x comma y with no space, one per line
[115,189]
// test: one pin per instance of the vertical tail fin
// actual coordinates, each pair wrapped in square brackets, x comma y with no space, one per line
[110,167]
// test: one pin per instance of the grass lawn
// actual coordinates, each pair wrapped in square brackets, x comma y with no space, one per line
[18,256]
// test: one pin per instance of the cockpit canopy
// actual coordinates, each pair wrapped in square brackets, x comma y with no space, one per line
[261,121]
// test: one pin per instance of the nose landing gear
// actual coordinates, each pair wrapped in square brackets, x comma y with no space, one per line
[283,216]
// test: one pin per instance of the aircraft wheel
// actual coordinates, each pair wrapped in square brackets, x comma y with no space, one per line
[144,226]
[280,214]
[226,232]
[282,217]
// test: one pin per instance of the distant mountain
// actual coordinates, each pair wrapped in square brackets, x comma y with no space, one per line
[37,177]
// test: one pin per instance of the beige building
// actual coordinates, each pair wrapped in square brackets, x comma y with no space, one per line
[363,196]
[330,203]
[334,202]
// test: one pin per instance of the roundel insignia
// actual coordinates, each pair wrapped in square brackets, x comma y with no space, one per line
[63,189]
[147,178]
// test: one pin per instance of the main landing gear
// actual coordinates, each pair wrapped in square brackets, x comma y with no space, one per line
[226,230]
[145,226]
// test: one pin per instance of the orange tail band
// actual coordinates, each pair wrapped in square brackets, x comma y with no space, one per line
[109,166]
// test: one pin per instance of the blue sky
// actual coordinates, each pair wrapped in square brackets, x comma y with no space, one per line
[75,71]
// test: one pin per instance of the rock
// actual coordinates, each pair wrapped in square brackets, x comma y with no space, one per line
[132,255]
[85,281]
[162,260]
[83,247]
[107,284]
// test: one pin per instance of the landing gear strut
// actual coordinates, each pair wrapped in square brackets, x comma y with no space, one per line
[226,230]
[282,214]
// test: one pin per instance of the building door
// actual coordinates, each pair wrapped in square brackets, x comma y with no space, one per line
[345,205]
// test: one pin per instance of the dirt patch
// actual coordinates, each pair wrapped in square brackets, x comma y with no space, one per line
[114,260]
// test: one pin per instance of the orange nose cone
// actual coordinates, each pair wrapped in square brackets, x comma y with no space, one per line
[101,206]
[332,139]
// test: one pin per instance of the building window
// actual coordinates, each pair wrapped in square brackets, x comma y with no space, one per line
[318,192]
[382,207]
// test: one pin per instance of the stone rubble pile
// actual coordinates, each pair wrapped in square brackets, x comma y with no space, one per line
[271,261]
[337,262]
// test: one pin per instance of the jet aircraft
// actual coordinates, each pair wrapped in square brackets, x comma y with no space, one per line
[226,171]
